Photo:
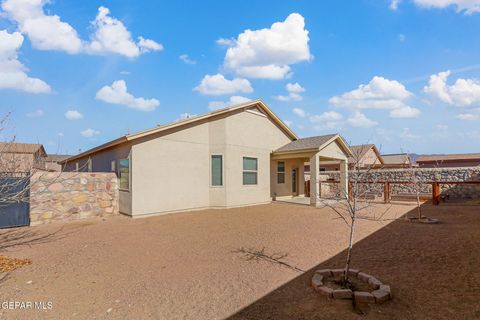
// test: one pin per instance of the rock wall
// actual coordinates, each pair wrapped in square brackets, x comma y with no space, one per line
[425,175]
[64,196]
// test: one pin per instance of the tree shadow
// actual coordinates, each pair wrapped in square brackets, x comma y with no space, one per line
[431,269]
[18,237]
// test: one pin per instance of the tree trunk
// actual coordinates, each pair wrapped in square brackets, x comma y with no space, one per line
[349,251]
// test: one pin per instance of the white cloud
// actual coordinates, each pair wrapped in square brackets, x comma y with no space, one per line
[218,85]
[299,112]
[111,36]
[394,4]
[468,116]
[379,93]
[12,71]
[294,90]
[89,133]
[405,112]
[186,115]
[225,42]
[406,134]
[46,32]
[288,123]
[401,37]
[268,53]
[466,6]
[215,105]
[327,120]
[73,115]
[117,94]
[463,93]
[185,58]
[441,126]
[36,114]
[49,32]
[359,120]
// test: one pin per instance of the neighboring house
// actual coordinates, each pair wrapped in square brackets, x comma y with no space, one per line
[52,161]
[367,154]
[21,157]
[237,156]
[449,160]
[398,160]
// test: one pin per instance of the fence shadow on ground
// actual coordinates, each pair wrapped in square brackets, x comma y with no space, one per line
[431,268]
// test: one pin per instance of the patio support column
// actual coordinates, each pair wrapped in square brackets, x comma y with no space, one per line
[314,180]
[344,178]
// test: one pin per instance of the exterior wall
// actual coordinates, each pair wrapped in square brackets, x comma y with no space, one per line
[370,158]
[171,171]
[53,166]
[101,162]
[285,189]
[69,196]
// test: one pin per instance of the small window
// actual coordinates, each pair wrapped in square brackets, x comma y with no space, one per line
[217,174]
[89,164]
[124,171]
[280,172]
[113,166]
[77,166]
[250,171]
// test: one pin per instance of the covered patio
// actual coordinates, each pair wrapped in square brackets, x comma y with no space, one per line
[288,167]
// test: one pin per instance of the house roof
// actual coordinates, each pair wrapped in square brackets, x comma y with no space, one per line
[14,147]
[313,143]
[449,157]
[359,152]
[131,137]
[399,158]
[56,157]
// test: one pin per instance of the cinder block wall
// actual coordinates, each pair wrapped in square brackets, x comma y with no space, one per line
[64,196]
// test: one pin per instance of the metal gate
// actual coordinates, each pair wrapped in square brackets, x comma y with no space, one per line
[14,201]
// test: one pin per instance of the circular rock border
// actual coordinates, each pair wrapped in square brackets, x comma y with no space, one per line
[381,292]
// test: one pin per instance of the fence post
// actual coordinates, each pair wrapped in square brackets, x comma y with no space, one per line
[386,192]
[436,193]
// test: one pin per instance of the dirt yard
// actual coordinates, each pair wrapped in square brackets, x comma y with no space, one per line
[196,265]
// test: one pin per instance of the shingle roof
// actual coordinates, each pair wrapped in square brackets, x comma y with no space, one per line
[447,157]
[401,158]
[306,143]
[13,147]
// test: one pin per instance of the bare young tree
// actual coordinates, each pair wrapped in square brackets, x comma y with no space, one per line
[353,204]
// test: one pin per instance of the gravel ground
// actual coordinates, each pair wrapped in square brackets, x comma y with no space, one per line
[193,265]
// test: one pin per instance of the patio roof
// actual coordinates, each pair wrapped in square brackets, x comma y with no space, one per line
[312,144]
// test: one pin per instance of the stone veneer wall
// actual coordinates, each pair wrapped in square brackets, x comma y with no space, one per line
[64,196]
[423,174]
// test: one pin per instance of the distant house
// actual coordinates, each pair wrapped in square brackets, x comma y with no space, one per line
[367,154]
[21,157]
[52,161]
[449,160]
[237,156]
[398,160]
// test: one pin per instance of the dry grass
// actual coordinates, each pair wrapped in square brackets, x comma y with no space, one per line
[8,264]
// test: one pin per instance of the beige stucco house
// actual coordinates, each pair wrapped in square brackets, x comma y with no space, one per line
[237,156]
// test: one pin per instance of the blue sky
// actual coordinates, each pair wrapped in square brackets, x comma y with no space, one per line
[401,74]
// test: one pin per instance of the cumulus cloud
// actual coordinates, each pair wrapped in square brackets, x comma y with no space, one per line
[215,105]
[89,133]
[407,134]
[73,115]
[268,53]
[117,94]
[217,85]
[299,112]
[46,32]
[379,93]
[294,92]
[111,36]
[360,120]
[394,4]
[185,58]
[36,114]
[49,32]
[327,119]
[463,93]
[12,72]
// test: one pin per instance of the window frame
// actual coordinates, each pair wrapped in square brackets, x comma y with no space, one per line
[120,174]
[221,168]
[113,166]
[249,171]
[89,165]
[281,172]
